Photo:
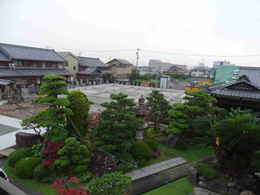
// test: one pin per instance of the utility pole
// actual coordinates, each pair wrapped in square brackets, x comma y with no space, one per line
[137,56]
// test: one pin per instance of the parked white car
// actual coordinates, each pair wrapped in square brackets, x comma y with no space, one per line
[3,175]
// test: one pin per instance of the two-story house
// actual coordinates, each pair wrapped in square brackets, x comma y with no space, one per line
[90,70]
[120,69]
[25,66]
[71,64]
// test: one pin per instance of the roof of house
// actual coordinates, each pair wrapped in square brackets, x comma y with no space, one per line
[90,62]
[6,73]
[177,67]
[246,86]
[66,53]
[122,61]
[90,70]
[3,57]
[19,52]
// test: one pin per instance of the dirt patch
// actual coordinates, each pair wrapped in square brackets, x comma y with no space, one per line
[21,110]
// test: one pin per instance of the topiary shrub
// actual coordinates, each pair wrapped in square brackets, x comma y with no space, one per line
[18,155]
[41,173]
[206,170]
[24,168]
[141,151]
[109,184]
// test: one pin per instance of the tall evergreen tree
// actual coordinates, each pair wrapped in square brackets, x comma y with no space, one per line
[117,129]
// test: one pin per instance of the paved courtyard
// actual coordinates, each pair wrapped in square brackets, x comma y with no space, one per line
[4,129]
[101,93]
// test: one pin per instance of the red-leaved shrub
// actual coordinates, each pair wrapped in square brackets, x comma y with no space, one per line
[62,187]
[50,152]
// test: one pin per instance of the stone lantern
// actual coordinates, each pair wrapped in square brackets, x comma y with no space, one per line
[141,113]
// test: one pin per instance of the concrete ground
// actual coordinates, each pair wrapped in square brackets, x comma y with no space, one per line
[101,93]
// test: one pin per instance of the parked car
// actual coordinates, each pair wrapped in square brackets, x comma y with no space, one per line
[3,175]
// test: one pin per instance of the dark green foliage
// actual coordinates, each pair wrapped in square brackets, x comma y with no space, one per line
[141,151]
[79,105]
[73,156]
[18,155]
[55,117]
[206,170]
[158,108]
[109,184]
[193,119]
[36,150]
[41,173]
[179,119]
[117,128]
[256,161]
[24,168]
[154,145]
[56,135]
[239,137]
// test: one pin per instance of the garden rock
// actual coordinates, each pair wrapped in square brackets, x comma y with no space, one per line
[202,191]
[172,140]
[247,193]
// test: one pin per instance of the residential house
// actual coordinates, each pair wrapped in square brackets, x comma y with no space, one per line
[242,91]
[177,69]
[120,69]
[91,70]
[71,64]
[160,66]
[27,65]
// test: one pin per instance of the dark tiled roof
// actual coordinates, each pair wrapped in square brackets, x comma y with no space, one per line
[90,62]
[65,53]
[121,61]
[237,93]
[5,73]
[3,57]
[91,70]
[252,73]
[30,53]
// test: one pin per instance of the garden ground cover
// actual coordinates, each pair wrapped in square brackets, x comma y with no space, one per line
[179,187]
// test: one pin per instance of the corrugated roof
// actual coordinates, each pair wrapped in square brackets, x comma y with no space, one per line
[30,53]
[6,73]
[90,62]
[3,57]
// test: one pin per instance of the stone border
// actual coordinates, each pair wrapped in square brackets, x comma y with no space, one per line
[154,176]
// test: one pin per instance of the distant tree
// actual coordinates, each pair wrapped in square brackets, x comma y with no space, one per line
[158,108]
[117,128]
[52,90]
[80,105]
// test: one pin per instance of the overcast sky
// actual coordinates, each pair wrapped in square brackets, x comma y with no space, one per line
[160,28]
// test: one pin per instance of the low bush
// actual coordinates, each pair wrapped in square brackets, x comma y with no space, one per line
[109,184]
[141,151]
[152,144]
[18,155]
[24,168]
[206,170]
[41,173]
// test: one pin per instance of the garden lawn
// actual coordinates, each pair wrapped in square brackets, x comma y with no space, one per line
[179,187]
[192,153]
[45,189]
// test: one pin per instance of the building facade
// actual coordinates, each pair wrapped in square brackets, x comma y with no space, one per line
[25,66]
[71,64]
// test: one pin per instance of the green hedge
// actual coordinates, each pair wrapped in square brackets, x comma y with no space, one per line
[17,155]
[24,168]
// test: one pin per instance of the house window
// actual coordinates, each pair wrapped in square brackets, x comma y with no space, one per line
[74,67]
